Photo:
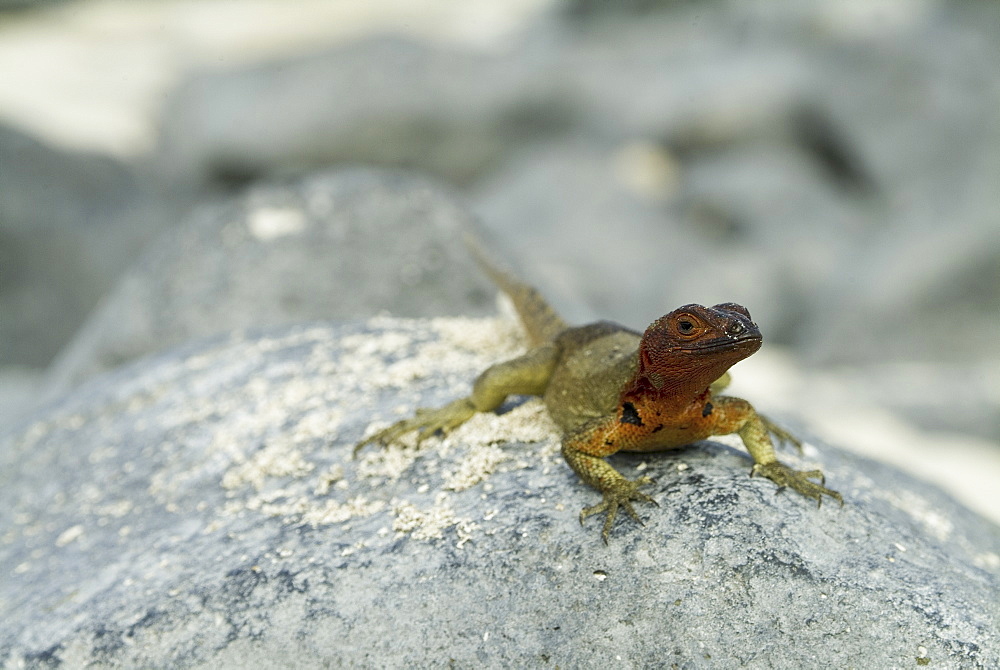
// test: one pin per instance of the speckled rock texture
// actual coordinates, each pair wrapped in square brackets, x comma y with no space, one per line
[201,509]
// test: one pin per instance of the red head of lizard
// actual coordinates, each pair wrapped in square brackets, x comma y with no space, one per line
[689,348]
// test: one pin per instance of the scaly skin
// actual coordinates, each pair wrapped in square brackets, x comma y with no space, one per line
[610,389]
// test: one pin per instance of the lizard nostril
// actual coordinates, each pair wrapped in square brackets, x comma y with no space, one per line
[736,328]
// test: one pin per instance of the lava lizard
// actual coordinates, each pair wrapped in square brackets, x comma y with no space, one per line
[611,389]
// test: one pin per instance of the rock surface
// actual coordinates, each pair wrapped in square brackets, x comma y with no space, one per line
[339,244]
[452,112]
[70,223]
[201,509]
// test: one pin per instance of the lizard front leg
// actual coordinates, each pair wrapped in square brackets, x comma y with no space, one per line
[774,429]
[584,451]
[526,375]
[735,415]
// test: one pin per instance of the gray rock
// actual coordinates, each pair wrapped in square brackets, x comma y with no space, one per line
[344,243]
[591,9]
[19,387]
[385,101]
[69,223]
[14,6]
[923,124]
[201,509]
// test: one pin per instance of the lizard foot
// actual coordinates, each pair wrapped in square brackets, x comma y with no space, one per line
[781,434]
[783,476]
[619,494]
[425,422]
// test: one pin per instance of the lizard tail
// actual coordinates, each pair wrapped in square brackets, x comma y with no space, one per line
[540,320]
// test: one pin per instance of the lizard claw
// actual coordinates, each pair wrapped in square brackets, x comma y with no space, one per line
[425,422]
[801,481]
[619,494]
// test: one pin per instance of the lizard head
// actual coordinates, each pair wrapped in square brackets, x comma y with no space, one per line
[692,346]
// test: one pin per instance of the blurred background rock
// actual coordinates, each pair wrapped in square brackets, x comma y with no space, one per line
[833,166]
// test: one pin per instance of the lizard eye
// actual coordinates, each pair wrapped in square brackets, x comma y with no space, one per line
[688,326]
[685,323]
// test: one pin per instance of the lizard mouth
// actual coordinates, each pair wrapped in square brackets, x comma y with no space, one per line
[747,341]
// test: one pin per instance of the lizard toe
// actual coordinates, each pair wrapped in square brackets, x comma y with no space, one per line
[424,422]
[618,495]
[800,481]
